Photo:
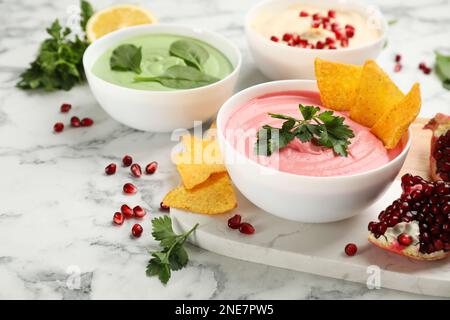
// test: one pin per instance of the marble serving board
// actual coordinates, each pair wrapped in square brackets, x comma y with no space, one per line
[319,248]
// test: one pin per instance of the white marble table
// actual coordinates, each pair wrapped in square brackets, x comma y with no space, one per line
[56,205]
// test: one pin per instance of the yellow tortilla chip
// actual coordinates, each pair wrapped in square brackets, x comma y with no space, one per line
[337,83]
[393,124]
[211,133]
[375,96]
[214,196]
[213,125]
[199,160]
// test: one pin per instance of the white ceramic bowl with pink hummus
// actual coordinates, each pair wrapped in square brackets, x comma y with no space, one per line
[283,58]
[302,182]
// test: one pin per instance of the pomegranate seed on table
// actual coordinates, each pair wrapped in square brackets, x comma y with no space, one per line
[127,161]
[426,70]
[87,122]
[139,212]
[398,58]
[246,228]
[129,188]
[136,170]
[136,230]
[397,67]
[65,107]
[350,249]
[163,207]
[303,14]
[75,122]
[234,222]
[110,169]
[331,14]
[58,127]
[151,167]
[126,211]
[118,218]
[274,39]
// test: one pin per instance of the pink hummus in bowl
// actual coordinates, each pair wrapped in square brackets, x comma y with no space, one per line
[366,151]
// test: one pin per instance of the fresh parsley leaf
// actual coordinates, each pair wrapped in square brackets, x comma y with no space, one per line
[392,22]
[126,57]
[59,62]
[173,256]
[443,69]
[324,129]
[181,77]
[192,53]
[86,12]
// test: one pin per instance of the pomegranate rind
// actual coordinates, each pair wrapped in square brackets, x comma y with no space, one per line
[439,124]
[411,251]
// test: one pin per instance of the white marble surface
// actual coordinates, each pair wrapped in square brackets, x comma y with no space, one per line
[56,205]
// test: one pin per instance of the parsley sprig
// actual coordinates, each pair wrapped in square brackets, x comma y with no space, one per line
[173,255]
[324,129]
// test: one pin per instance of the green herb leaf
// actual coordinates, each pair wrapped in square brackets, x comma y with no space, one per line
[181,77]
[324,129]
[443,69]
[192,53]
[86,12]
[173,255]
[126,57]
[392,22]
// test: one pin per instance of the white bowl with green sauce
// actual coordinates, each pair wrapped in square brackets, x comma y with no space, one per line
[162,77]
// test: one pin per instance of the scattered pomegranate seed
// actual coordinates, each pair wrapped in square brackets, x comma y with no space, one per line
[331,14]
[127,161]
[75,122]
[246,228]
[118,218]
[163,207]
[126,211]
[58,127]
[426,70]
[139,212]
[303,14]
[87,122]
[234,222]
[398,57]
[350,249]
[136,230]
[151,167]
[320,45]
[404,239]
[129,188]
[274,39]
[136,170]
[422,65]
[397,67]
[110,169]
[65,107]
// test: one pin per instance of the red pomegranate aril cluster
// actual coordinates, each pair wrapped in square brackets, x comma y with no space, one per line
[442,155]
[75,122]
[423,201]
[244,227]
[425,69]
[398,65]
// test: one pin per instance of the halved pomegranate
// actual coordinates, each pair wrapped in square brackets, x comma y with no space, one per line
[440,147]
[417,224]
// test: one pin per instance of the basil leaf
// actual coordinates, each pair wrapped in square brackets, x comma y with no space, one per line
[126,57]
[193,54]
[181,77]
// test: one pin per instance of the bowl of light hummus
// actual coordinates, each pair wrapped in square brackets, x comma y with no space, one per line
[285,36]
[303,181]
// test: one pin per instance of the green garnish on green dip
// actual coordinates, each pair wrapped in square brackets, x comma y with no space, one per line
[161,62]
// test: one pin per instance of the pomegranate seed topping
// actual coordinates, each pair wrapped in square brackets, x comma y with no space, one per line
[110,169]
[139,212]
[246,228]
[58,127]
[75,122]
[274,39]
[118,218]
[287,37]
[127,161]
[151,167]
[334,26]
[296,38]
[65,107]
[397,67]
[87,122]
[310,46]
[126,211]
[303,14]
[291,43]
[136,170]
[338,35]
[344,42]
[129,188]
[163,207]
[349,33]
[316,16]
[325,20]
[398,58]
[234,222]
[349,27]
[331,14]
[404,239]
[320,45]
[332,47]
[329,40]
[136,230]
[350,249]
[315,24]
